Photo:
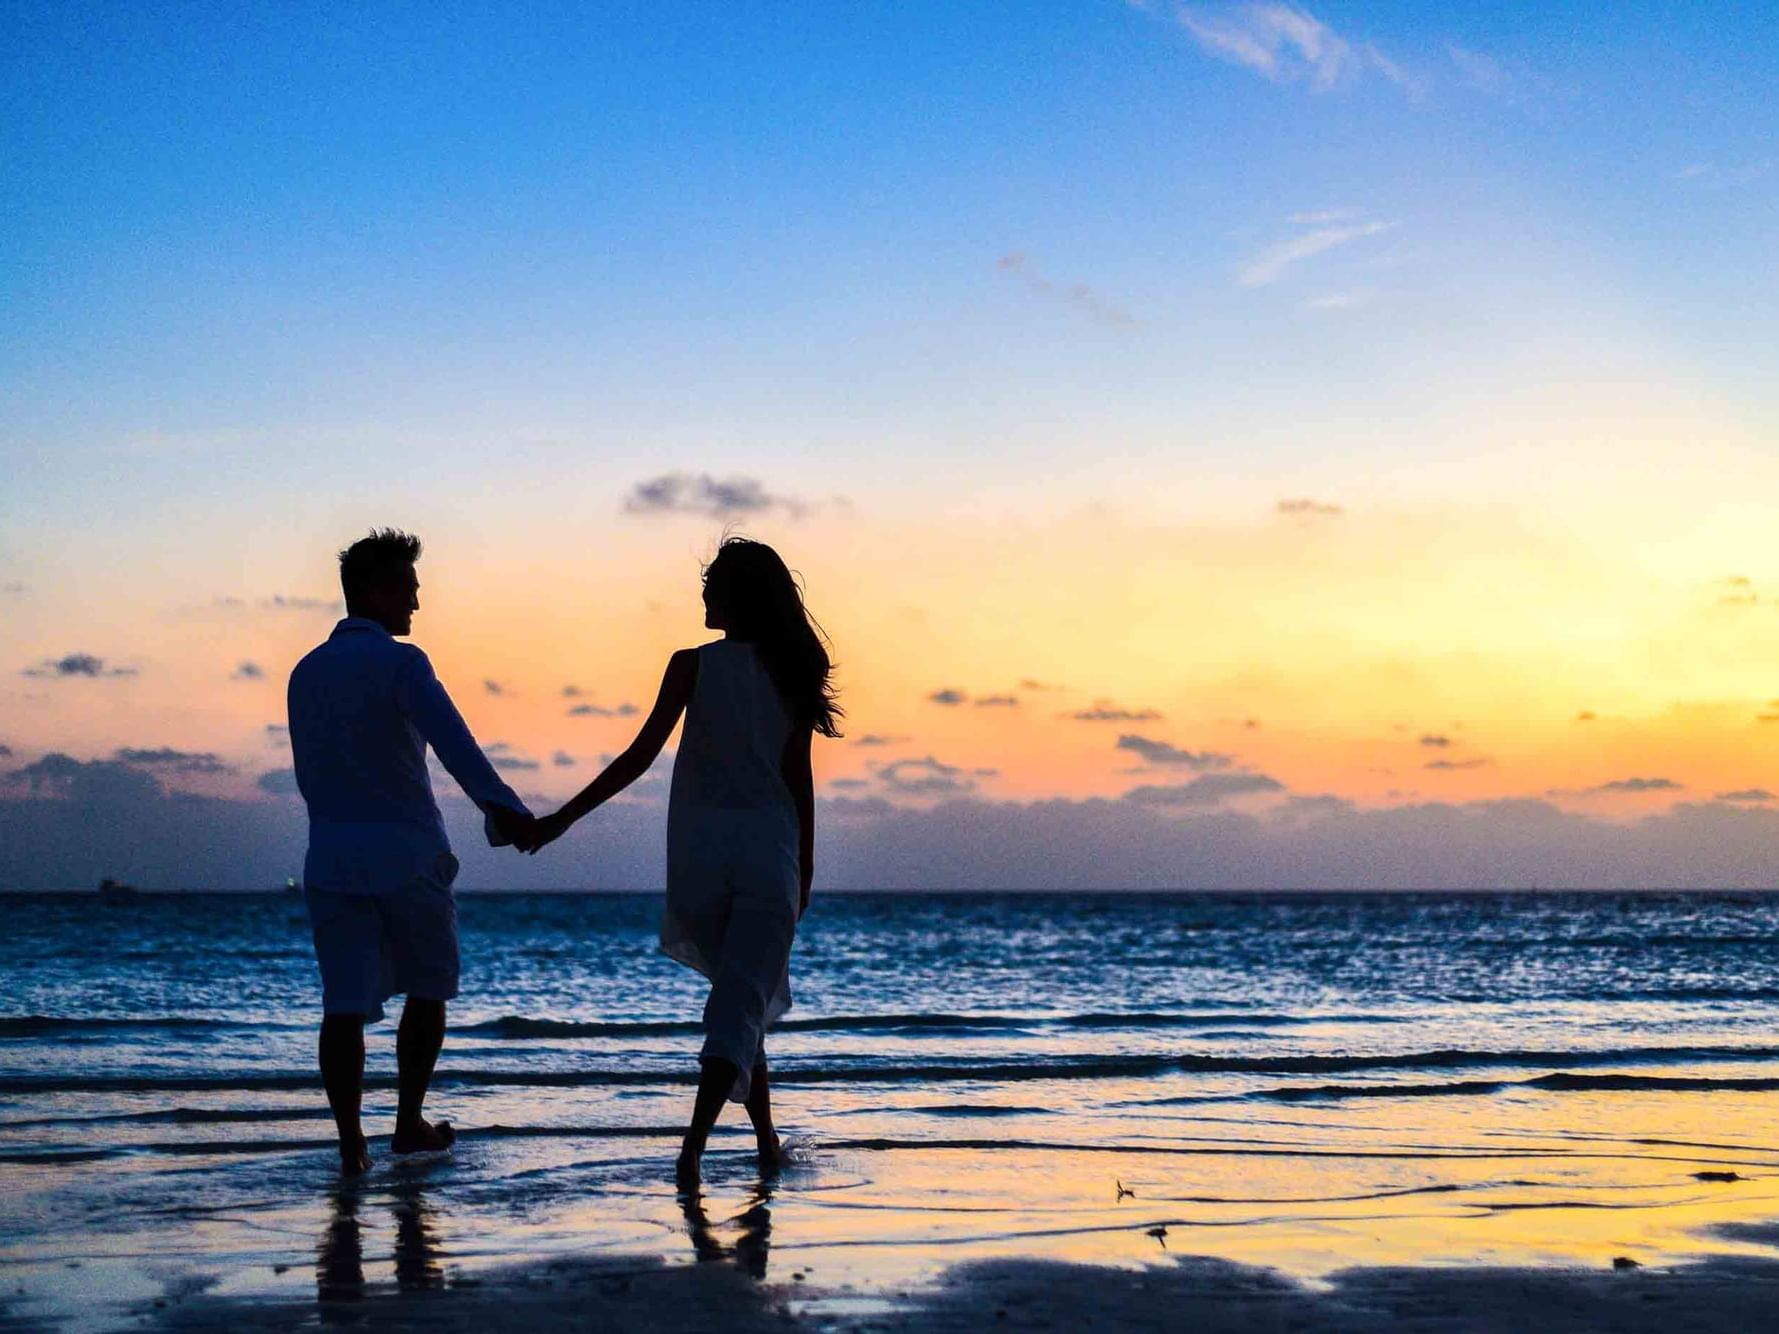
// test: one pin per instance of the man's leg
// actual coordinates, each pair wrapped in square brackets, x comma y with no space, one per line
[417,1045]
[342,1074]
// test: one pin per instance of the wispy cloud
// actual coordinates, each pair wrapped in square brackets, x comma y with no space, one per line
[1206,790]
[1449,766]
[601,711]
[949,697]
[878,739]
[1077,296]
[502,756]
[174,761]
[77,665]
[710,497]
[997,702]
[1288,45]
[1104,711]
[248,671]
[493,687]
[1163,753]
[1273,263]
[1748,794]
[562,760]
[1303,507]
[925,777]
[1639,785]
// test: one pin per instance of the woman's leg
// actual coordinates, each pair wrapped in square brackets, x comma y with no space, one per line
[759,1111]
[713,1091]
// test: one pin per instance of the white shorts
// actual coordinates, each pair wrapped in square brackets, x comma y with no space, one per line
[374,946]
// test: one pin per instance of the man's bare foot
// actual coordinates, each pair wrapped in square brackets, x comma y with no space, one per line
[686,1173]
[355,1159]
[423,1137]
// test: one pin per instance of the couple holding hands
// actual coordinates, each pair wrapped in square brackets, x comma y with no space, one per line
[740,828]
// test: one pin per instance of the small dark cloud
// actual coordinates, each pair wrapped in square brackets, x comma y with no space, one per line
[571,692]
[1302,507]
[1433,739]
[711,497]
[174,761]
[14,587]
[1029,684]
[1104,711]
[278,782]
[997,702]
[600,711]
[248,671]
[1449,765]
[1162,753]
[986,773]
[847,784]
[1639,785]
[493,687]
[925,777]
[1250,724]
[98,781]
[515,763]
[1766,717]
[1586,716]
[878,739]
[1206,790]
[562,760]
[1078,296]
[285,602]
[5,752]
[77,665]
[859,808]
[947,697]
[1748,794]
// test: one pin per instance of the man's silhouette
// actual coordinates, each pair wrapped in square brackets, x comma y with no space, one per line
[363,710]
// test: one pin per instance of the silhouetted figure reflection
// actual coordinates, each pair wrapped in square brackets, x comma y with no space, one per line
[752,1245]
[418,1256]
[339,1259]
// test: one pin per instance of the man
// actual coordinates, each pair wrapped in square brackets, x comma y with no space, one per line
[363,709]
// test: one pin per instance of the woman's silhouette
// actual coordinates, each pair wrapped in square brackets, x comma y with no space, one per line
[740,818]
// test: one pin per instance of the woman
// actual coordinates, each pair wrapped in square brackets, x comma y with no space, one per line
[740,819]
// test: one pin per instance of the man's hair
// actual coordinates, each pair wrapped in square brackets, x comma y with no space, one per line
[374,558]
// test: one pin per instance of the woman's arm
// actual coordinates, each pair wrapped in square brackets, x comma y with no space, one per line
[801,780]
[676,692]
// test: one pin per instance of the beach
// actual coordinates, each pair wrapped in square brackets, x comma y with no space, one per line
[1325,1112]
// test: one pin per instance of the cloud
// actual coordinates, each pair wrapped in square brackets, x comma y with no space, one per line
[947,697]
[1104,711]
[175,761]
[702,494]
[924,778]
[600,711]
[98,781]
[1586,716]
[997,702]
[1639,785]
[1450,765]
[5,752]
[571,692]
[1748,794]
[1206,790]
[1078,296]
[562,760]
[277,733]
[849,783]
[502,756]
[1303,507]
[1029,684]
[14,587]
[493,687]
[878,739]
[248,671]
[1277,41]
[76,665]
[1435,741]
[1276,261]
[1478,71]
[278,782]
[1162,753]
[283,602]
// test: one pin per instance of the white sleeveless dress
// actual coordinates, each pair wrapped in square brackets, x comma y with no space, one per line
[732,858]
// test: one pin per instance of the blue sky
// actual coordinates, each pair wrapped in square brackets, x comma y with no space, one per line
[1024,320]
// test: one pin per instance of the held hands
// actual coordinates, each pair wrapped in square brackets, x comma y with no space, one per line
[548,830]
[516,827]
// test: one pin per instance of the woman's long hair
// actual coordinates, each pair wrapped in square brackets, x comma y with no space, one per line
[751,589]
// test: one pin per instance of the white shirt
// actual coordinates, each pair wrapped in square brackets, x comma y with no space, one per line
[363,709]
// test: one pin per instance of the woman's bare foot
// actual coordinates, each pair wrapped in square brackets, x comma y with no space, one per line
[686,1173]
[772,1154]
[423,1137]
[355,1158]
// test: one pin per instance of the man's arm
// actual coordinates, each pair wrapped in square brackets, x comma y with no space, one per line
[423,700]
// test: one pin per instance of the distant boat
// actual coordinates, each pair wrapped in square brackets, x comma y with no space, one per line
[292,885]
[116,891]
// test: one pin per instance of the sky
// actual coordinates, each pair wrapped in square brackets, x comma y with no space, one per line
[1250,444]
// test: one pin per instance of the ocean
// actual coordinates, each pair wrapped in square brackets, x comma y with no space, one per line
[962,1075]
